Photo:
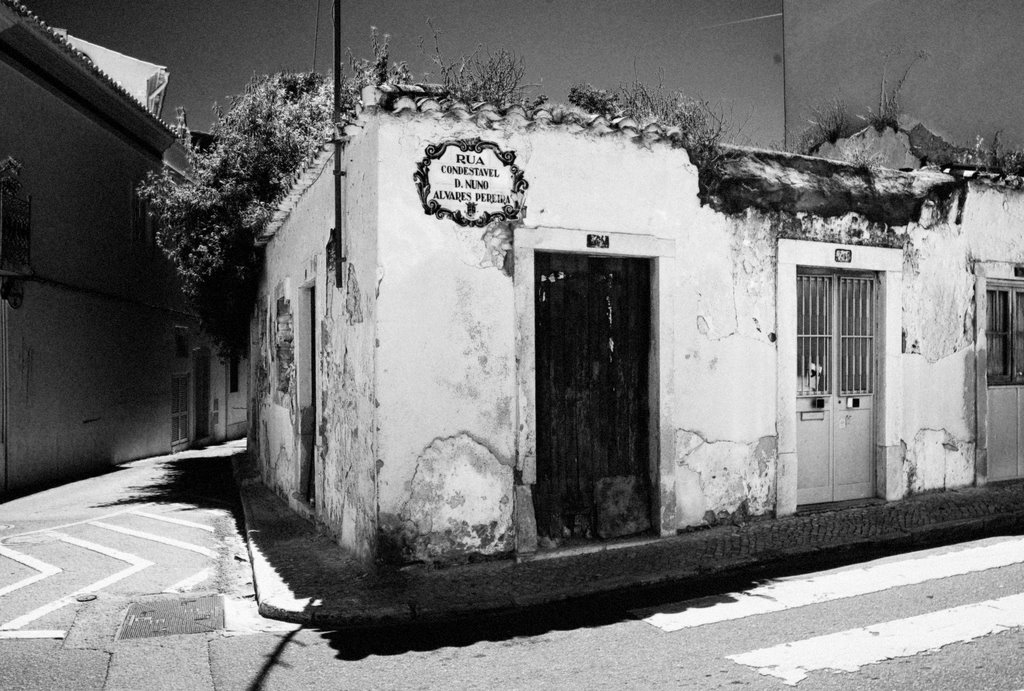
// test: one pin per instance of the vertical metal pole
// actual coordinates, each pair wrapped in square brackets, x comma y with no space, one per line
[339,239]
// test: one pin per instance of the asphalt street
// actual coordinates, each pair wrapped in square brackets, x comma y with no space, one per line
[169,530]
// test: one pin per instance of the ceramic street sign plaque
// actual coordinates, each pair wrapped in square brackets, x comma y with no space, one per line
[470,181]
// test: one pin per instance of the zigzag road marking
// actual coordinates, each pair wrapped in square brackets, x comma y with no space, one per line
[45,570]
[39,633]
[849,650]
[137,564]
[176,521]
[156,538]
[872,578]
[14,538]
[190,582]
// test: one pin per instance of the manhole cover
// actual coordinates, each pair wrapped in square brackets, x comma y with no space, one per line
[166,617]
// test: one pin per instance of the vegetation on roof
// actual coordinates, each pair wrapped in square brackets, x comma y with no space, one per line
[208,224]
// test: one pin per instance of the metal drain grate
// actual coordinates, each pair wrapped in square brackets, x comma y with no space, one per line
[166,617]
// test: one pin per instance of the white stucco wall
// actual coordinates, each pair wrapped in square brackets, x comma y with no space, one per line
[446,367]
[425,432]
[340,436]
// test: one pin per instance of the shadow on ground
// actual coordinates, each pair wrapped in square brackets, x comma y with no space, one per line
[590,612]
[201,477]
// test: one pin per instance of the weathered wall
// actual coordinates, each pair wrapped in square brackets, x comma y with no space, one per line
[425,360]
[725,371]
[446,329]
[445,368]
[332,437]
[938,357]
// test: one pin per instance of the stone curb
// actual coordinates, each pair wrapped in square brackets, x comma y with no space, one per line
[356,610]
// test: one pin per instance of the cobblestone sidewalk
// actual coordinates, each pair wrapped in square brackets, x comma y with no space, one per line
[303,576]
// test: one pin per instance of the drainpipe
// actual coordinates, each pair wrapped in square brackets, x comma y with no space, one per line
[339,240]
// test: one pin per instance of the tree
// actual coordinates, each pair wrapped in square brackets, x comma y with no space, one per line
[207,225]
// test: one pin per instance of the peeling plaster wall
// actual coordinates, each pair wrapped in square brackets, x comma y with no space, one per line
[420,409]
[938,435]
[446,361]
[445,368]
[725,372]
[343,431]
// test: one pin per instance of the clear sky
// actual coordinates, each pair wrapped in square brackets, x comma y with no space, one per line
[728,51]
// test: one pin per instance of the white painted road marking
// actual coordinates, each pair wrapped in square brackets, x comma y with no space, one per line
[848,651]
[190,582]
[45,570]
[176,521]
[137,564]
[40,633]
[781,595]
[156,538]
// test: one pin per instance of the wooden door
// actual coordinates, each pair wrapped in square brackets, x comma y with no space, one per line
[202,393]
[593,324]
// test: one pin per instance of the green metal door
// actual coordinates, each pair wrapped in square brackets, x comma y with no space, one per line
[836,372]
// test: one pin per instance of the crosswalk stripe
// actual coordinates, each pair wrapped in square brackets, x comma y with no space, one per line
[155,538]
[176,521]
[849,650]
[874,577]
[45,570]
[137,564]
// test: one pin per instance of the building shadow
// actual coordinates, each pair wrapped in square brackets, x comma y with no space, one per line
[517,625]
[203,478]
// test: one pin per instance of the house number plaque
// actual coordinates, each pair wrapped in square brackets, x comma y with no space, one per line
[471,182]
[844,256]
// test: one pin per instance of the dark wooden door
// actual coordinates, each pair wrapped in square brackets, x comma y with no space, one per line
[202,393]
[593,322]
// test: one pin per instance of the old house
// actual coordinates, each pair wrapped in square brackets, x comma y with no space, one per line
[101,361]
[541,328]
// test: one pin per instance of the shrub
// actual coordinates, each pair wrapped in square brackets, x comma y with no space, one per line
[594,100]
[701,126]
[490,77]
[888,112]
[828,122]
[1006,162]
[377,70]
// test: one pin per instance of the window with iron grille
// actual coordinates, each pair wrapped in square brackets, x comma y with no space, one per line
[15,230]
[1004,333]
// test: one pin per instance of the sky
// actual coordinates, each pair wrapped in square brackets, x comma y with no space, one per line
[726,51]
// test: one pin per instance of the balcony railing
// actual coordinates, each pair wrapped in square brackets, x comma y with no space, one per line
[15,232]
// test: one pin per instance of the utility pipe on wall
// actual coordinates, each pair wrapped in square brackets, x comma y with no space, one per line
[339,240]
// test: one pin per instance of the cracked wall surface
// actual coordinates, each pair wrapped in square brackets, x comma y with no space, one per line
[340,442]
[458,503]
[719,478]
[420,423]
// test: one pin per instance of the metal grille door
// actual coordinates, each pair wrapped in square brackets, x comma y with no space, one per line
[836,318]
